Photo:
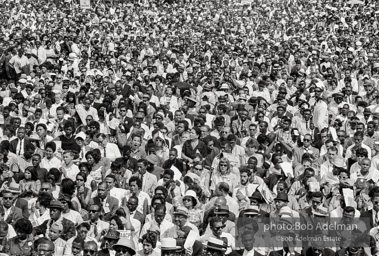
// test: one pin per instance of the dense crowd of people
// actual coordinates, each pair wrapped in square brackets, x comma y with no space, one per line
[187,127]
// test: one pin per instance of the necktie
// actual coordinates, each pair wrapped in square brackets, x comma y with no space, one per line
[143,185]
[105,152]
[20,147]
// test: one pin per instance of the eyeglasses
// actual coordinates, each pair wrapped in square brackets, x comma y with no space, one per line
[187,199]
[198,169]
[122,250]
[8,198]
[79,180]
[93,211]
[43,251]
[89,251]
[88,119]
[44,189]
[307,140]
[219,228]
[223,165]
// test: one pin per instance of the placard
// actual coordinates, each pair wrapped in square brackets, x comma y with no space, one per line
[85,4]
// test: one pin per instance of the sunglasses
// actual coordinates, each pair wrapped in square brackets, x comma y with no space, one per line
[187,199]
[198,169]
[306,140]
[89,251]
[219,228]
[8,198]
[223,165]
[44,189]
[92,211]
[122,250]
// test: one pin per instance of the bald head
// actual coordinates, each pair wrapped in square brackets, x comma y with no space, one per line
[220,201]
[89,246]
[46,246]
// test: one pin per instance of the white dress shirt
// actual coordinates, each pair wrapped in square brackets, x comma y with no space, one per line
[111,151]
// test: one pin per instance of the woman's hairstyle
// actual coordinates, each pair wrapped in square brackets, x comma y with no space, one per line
[44,199]
[223,159]
[96,156]
[69,124]
[68,186]
[32,171]
[23,226]
[83,175]
[56,173]
[118,221]
[150,238]
[51,145]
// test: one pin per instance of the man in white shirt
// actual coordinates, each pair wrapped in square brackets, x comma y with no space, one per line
[85,110]
[358,140]
[108,150]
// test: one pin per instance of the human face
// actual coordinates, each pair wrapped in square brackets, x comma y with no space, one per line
[375,203]
[223,167]
[187,201]
[113,225]
[8,199]
[248,241]
[76,249]
[110,182]
[55,214]
[159,216]
[365,164]
[90,159]
[141,168]
[132,204]
[358,140]
[134,187]
[244,178]
[67,158]
[21,133]
[45,249]
[316,202]
[82,232]
[217,229]
[147,247]
[180,128]
[122,251]
[307,141]
[49,153]
[102,190]
[331,154]
[89,249]
[28,175]
[54,234]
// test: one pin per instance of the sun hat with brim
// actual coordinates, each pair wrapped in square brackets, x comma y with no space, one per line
[252,210]
[14,188]
[81,135]
[169,244]
[153,159]
[222,210]
[321,212]
[338,162]
[281,197]
[192,194]
[216,244]
[181,210]
[34,137]
[113,234]
[56,205]
[126,243]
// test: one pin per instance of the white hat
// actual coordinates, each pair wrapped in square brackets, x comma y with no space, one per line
[169,244]
[192,194]
[81,135]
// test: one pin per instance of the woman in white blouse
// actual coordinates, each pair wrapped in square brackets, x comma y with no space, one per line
[50,160]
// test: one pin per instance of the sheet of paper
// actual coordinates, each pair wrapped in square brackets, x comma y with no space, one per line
[314,186]
[287,169]
[191,238]
[348,196]
[58,144]
[177,173]
[333,132]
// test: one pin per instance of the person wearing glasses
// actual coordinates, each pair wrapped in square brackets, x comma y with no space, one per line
[124,247]
[46,247]
[90,248]
[217,228]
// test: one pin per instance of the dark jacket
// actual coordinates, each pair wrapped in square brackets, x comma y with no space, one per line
[112,203]
[240,253]
[68,228]
[23,205]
